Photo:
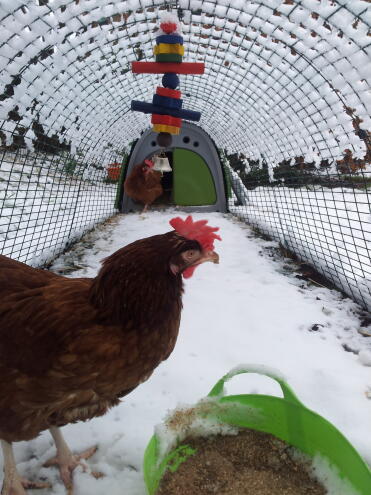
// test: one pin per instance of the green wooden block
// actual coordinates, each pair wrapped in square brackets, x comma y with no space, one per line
[169,57]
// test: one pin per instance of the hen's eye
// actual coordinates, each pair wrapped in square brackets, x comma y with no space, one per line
[190,254]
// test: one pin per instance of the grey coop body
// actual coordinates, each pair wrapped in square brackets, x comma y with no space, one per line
[196,182]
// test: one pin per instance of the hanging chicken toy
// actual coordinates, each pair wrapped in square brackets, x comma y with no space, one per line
[166,107]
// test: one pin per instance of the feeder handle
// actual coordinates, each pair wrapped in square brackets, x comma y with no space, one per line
[288,393]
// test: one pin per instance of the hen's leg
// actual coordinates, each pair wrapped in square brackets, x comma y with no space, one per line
[67,461]
[13,484]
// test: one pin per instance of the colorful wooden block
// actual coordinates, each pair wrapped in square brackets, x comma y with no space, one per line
[166,120]
[169,57]
[168,27]
[162,68]
[144,107]
[169,38]
[166,106]
[166,48]
[170,81]
[172,93]
[166,128]
[165,101]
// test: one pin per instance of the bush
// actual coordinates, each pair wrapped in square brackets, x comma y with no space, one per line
[252,172]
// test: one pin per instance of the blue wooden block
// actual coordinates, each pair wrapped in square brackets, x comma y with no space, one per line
[171,39]
[144,107]
[170,80]
[166,101]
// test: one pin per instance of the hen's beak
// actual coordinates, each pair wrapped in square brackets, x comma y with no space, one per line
[210,256]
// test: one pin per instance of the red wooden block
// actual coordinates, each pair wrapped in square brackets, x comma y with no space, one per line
[166,120]
[164,67]
[172,93]
[168,27]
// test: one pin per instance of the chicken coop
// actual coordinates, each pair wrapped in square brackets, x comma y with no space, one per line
[196,181]
[283,141]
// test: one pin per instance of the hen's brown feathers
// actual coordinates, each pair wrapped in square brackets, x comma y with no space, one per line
[69,348]
[142,186]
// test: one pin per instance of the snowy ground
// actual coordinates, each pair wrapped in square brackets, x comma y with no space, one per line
[248,309]
[329,228]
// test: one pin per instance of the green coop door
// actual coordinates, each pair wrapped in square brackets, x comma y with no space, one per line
[193,184]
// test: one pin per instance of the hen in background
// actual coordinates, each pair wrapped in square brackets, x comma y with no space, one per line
[70,348]
[144,184]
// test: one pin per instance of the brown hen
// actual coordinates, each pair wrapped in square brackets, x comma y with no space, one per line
[143,184]
[70,348]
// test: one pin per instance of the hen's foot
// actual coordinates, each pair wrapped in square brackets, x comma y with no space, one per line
[34,485]
[16,486]
[13,484]
[67,462]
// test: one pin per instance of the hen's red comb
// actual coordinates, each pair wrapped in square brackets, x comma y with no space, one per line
[149,163]
[198,231]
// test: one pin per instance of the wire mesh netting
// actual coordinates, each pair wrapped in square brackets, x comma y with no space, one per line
[286,84]
[321,216]
[47,201]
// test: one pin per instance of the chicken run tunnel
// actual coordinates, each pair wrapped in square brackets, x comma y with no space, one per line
[283,142]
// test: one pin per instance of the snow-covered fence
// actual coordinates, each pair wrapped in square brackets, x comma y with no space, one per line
[325,219]
[49,200]
[284,78]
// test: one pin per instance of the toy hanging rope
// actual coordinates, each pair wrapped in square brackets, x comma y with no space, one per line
[166,107]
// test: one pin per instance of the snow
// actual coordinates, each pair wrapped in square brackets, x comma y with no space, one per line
[247,309]
[365,357]
[255,368]
[43,209]
[329,228]
[263,35]
[326,473]
[189,420]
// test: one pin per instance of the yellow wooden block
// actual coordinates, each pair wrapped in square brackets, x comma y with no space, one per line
[166,128]
[168,48]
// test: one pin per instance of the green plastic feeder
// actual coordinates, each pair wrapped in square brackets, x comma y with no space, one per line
[286,418]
